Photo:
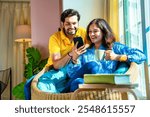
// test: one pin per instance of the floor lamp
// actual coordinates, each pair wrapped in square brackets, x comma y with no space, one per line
[23,35]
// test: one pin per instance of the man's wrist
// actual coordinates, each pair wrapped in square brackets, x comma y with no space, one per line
[74,61]
[69,55]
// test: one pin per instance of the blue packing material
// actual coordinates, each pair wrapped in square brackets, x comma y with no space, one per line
[53,81]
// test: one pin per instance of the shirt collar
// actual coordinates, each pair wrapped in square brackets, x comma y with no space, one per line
[100,48]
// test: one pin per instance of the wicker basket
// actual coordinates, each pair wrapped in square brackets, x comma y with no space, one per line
[37,94]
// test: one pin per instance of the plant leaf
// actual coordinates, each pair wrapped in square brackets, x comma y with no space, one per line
[18,91]
[28,72]
[35,65]
[33,55]
[42,63]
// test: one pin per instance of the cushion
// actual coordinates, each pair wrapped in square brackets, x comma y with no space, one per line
[122,68]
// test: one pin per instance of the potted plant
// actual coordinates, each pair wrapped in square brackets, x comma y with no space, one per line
[34,65]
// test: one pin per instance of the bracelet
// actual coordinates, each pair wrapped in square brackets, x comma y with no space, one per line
[69,55]
[73,61]
[123,58]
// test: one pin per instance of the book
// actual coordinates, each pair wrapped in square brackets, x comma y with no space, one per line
[107,78]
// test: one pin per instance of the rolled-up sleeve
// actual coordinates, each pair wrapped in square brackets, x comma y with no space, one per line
[133,54]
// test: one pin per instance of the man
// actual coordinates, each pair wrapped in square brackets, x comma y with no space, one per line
[61,43]
[61,49]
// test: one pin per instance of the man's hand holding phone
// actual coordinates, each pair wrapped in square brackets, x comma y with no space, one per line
[78,40]
[78,49]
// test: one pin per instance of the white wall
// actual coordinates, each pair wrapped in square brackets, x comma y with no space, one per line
[88,9]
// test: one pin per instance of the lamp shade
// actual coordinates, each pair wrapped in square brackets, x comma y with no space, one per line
[23,33]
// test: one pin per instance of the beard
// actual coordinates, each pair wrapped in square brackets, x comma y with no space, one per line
[70,31]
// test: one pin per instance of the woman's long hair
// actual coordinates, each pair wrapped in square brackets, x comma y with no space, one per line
[108,35]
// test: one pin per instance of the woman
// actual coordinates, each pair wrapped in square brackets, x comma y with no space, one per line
[102,38]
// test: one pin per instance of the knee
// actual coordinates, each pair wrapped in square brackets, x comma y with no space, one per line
[91,64]
[92,67]
[75,84]
[78,81]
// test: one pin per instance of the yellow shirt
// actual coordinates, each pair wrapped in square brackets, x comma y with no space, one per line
[59,43]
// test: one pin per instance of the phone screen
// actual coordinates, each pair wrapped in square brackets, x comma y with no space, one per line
[79,40]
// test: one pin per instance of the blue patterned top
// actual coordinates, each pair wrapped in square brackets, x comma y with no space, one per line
[106,66]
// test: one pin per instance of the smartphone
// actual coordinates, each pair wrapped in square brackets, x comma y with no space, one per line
[79,40]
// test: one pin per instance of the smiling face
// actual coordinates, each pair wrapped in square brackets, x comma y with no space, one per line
[70,25]
[95,34]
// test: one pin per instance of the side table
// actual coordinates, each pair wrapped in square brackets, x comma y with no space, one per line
[95,87]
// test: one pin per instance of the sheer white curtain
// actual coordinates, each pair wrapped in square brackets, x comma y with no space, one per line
[131,33]
[11,15]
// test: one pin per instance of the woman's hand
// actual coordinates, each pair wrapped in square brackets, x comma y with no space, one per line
[110,55]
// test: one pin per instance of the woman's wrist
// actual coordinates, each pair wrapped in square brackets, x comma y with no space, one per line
[123,58]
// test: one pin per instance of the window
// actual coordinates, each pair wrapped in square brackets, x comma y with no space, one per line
[131,33]
[147,44]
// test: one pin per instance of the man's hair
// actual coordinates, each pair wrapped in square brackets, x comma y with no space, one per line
[69,13]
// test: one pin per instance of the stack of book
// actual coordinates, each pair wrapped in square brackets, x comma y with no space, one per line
[107,78]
